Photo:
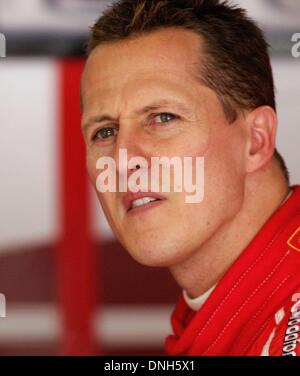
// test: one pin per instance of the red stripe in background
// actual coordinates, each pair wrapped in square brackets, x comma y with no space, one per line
[76,271]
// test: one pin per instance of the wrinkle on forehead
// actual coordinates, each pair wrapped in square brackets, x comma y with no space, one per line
[164,51]
[131,97]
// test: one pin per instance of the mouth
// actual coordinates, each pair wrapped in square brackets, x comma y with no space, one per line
[142,202]
[135,202]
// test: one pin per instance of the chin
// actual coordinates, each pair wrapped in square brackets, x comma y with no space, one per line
[156,254]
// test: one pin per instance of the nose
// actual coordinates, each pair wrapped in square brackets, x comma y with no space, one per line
[130,151]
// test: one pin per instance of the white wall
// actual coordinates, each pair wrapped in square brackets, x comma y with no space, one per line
[287,82]
[27,151]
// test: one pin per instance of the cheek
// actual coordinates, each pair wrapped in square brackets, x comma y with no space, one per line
[196,144]
[91,162]
[224,183]
[106,199]
[107,202]
[224,175]
[226,152]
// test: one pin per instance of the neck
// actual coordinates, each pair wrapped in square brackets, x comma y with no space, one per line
[264,194]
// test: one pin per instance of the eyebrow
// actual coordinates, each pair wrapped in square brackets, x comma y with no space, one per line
[97,119]
[150,108]
[162,103]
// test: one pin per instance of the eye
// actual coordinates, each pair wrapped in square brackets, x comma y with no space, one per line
[165,117]
[105,133]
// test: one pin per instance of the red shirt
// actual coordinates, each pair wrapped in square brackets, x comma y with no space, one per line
[255,308]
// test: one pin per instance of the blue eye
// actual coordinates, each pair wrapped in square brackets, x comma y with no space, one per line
[165,117]
[105,133]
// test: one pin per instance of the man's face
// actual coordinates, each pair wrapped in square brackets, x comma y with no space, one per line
[151,102]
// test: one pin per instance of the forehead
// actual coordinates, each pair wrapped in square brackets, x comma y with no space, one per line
[168,53]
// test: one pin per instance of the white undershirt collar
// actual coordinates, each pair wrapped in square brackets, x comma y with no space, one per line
[196,303]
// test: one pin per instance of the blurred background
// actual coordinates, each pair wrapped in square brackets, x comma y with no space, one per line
[70,288]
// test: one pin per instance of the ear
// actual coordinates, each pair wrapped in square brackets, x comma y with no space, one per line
[262,128]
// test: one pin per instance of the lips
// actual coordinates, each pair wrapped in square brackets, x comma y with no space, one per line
[135,200]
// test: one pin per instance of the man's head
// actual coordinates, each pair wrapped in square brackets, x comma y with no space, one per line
[179,78]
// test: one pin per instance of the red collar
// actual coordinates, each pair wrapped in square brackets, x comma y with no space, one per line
[255,287]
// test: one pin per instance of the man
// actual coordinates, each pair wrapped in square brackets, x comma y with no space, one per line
[193,79]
